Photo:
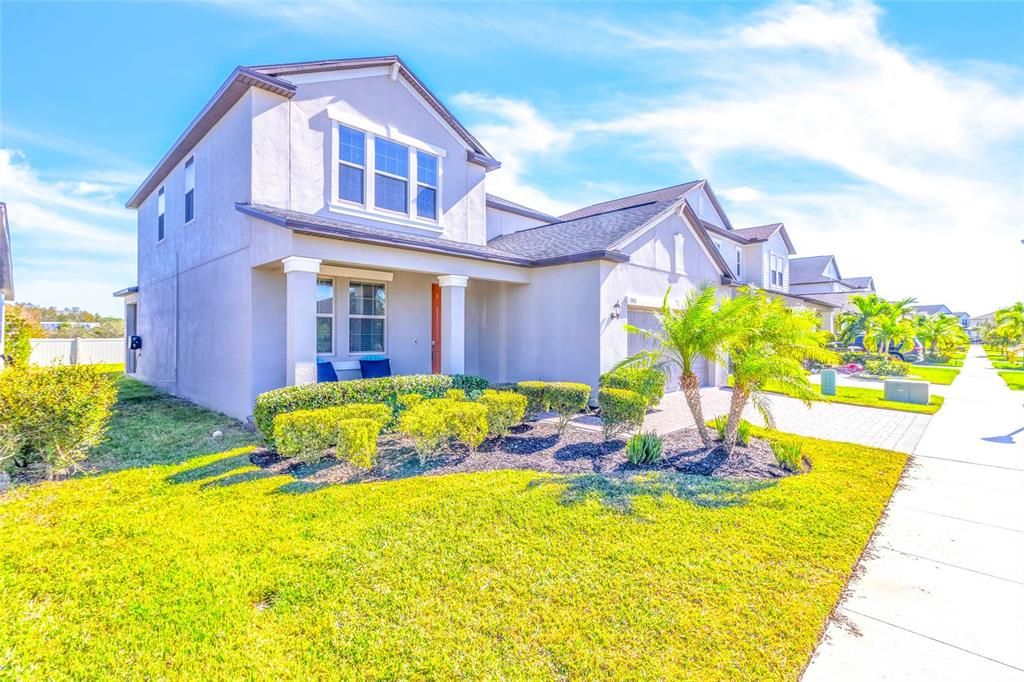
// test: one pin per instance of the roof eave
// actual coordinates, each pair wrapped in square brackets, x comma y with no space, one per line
[127,291]
[229,93]
[600,254]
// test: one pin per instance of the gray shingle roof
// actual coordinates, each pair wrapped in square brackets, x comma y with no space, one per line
[588,234]
[666,194]
[859,282]
[503,204]
[808,269]
[759,233]
[929,309]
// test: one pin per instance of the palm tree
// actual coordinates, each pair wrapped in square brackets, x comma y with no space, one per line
[889,328]
[850,325]
[769,350]
[694,330]
[1010,322]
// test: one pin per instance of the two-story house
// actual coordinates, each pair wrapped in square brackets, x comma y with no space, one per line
[818,277]
[334,210]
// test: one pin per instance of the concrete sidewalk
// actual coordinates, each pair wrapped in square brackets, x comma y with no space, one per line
[939,594]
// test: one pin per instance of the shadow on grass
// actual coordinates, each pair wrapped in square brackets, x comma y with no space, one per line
[619,492]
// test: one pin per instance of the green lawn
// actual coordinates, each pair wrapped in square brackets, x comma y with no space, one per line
[209,568]
[865,397]
[1014,380]
[934,374]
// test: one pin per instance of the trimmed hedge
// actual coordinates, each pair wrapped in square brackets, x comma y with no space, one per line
[504,410]
[430,424]
[53,415]
[622,410]
[383,390]
[535,393]
[567,399]
[307,434]
[647,381]
[888,367]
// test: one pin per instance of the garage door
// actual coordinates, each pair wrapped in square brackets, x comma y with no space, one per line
[646,319]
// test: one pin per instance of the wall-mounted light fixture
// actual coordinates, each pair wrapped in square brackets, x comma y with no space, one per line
[616,310]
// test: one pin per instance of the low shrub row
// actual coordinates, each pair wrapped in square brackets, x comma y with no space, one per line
[886,367]
[648,382]
[433,423]
[386,390]
[622,411]
[565,398]
[52,415]
[351,429]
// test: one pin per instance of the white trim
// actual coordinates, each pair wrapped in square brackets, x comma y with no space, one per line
[190,161]
[349,316]
[373,275]
[385,216]
[336,75]
[354,119]
[301,264]
[453,280]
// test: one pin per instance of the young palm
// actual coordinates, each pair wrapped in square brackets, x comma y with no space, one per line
[854,324]
[695,329]
[889,328]
[1010,322]
[770,350]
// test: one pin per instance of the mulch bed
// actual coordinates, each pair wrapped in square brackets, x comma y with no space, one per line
[538,447]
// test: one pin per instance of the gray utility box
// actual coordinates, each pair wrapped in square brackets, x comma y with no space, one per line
[906,391]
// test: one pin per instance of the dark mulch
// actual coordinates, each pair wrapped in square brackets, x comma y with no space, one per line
[538,447]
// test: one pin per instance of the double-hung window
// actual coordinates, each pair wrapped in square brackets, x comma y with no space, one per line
[776,266]
[739,262]
[161,208]
[426,185]
[351,164]
[190,190]
[391,176]
[367,305]
[325,316]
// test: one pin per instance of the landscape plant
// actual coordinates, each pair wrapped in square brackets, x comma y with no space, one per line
[644,448]
[1010,325]
[693,330]
[505,409]
[308,434]
[771,348]
[566,399]
[536,396]
[52,416]
[648,382]
[622,411]
[432,424]
[886,367]
[788,453]
[18,332]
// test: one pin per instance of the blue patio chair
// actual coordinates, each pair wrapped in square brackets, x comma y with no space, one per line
[375,366]
[325,371]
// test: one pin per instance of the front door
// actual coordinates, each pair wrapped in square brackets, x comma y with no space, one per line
[435,328]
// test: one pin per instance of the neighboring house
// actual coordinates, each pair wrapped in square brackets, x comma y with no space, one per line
[6,273]
[819,276]
[931,310]
[334,210]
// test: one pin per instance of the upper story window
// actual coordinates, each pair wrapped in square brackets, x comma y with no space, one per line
[391,176]
[426,185]
[739,262]
[351,164]
[777,269]
[190,190]
[161,209]
[381,173]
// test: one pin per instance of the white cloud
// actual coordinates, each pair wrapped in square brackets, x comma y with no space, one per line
[73,243]
[741,194]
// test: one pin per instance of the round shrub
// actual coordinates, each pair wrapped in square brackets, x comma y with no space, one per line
[887,367]
[535,393]
[431,424]
[567,399]
[357,441]
[621,411]
[504,410]
[644,448]
[308,434]
[649,382]
[53,415]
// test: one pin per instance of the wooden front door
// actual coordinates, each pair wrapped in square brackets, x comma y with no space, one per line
[435,328]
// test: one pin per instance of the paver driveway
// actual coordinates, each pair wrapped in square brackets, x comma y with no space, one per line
[940,592]
[889,429]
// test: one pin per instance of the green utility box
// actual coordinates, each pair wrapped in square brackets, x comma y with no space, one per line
[828,382]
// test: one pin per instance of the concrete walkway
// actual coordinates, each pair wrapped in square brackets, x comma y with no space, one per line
[939,594]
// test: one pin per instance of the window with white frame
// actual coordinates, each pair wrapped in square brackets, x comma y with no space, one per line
[367,308]
[739,262]
[324,316]
[426,185]
[391,176]
[351,164]
[161,208]
[190,190]
[777,265]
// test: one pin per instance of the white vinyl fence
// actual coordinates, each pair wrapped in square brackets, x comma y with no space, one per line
[47,352]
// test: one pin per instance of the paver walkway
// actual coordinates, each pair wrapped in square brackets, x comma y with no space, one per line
[940,592]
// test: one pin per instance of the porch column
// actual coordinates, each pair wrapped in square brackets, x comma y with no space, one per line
[300,318]
[453,323]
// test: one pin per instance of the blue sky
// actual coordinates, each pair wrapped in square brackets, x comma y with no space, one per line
[890,135]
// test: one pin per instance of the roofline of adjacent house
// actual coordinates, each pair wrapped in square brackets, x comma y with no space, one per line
[244,77]
[728,276]
[6,260]
[227,95]
[788,294]
[354,234]
[779,227]
[387,60]
[525,211]
[127,291]
[728,234]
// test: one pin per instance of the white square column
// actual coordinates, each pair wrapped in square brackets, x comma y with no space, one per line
[453,323]
[300,318]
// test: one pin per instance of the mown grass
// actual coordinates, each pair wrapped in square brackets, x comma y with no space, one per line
[865,397]
[211,568]
[1015,380]
[934,374]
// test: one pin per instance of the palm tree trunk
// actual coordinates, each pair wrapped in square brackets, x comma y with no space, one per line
[736,405]
[691,389]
